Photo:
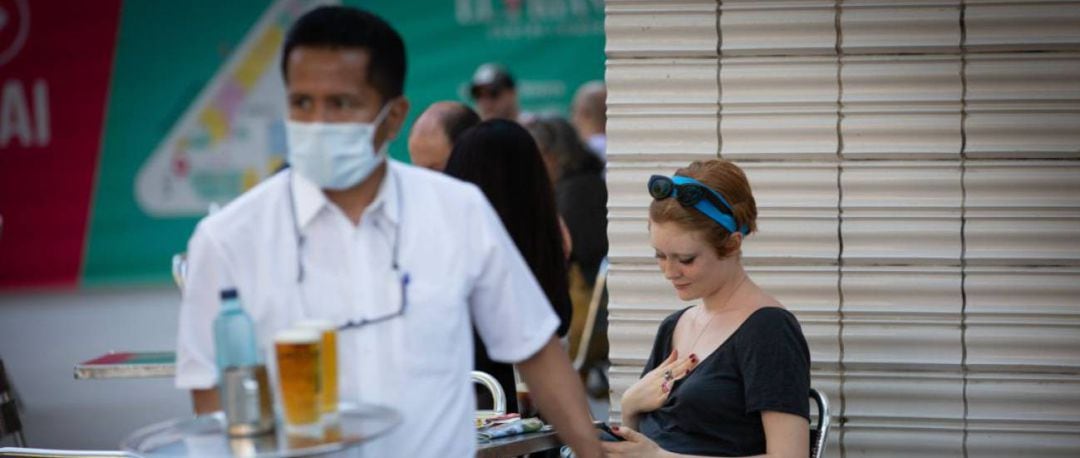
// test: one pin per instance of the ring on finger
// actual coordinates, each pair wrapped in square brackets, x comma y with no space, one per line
[667,375]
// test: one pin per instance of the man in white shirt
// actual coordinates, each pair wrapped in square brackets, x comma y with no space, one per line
[403,259]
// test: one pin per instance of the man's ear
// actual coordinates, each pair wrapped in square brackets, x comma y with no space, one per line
[395,119]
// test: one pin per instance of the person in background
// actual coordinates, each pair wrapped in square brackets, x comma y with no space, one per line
[501,159]
[494,91]
[580,190]
[588,112]
[729,376]
[436,130]
[404,260]
[581,197]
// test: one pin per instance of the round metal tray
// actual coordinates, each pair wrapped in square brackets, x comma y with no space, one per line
[204,436]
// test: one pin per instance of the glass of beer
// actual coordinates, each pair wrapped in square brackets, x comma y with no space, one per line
[297,352]
[328,390]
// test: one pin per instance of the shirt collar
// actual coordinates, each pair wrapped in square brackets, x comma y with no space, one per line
[310,200]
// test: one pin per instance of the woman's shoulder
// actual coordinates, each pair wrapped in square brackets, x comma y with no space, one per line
[773,314]
[771,320]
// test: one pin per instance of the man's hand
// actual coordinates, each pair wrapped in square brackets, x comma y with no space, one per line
[205,401]
[557,391]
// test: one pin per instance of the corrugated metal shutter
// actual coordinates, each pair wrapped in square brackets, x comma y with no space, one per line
[917,170]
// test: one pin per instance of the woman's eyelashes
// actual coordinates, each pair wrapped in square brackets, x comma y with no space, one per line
[684,260]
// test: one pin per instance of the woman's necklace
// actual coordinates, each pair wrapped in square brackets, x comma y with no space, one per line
[709,321]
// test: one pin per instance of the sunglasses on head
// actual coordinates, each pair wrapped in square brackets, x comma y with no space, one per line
[692,193]
[486,93]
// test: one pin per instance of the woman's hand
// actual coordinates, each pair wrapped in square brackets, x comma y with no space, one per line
[636,445]
[651,391]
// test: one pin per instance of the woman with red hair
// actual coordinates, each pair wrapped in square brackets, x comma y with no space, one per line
[729,376]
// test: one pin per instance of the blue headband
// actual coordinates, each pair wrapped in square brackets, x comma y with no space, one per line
[706,207]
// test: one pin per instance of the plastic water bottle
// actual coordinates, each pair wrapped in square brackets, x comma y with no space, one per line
[244,384]
[234,334]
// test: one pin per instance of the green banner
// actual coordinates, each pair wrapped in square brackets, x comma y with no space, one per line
[196,101]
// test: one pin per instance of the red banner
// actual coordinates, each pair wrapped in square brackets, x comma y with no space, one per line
[55,61]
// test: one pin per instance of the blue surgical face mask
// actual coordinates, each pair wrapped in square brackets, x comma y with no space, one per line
[335,155]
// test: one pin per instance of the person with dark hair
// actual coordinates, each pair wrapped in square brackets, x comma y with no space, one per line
[501,158]
[581,197]
[729,376]
[404,261]
[580,190]
[436,130]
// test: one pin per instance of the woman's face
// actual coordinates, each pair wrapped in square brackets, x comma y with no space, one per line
[687,261]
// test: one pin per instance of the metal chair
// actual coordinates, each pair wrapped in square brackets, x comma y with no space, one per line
[820,433]
[581,355]
[592,352]
[497,393]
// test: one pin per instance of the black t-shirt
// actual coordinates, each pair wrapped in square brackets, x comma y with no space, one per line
[582,200]
[716,410]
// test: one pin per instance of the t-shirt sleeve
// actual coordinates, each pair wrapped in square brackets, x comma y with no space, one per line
[509,309]
[775,363]
[207,274]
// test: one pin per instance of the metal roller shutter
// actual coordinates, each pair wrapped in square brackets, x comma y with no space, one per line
[917,171]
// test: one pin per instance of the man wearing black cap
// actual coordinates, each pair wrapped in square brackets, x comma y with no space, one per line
[495,94]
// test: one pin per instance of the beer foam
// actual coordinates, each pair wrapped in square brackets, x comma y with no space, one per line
[297,335]
[321,325]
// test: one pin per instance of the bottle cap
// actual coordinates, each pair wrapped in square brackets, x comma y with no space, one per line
[229,293]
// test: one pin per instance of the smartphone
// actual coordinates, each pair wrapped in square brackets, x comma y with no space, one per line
[607,435]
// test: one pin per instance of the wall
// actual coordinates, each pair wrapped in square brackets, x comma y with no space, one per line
[43,336]
[916,166]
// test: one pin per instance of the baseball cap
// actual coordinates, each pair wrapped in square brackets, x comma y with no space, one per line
[490,75]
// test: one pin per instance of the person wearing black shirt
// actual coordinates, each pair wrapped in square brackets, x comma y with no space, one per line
[501,158]
[730,376]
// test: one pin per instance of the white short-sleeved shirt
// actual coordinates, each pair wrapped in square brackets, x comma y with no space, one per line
[462,266]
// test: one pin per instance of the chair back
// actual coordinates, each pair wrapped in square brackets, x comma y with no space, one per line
[498,396]
[9,412]
[588,337]
[819,433]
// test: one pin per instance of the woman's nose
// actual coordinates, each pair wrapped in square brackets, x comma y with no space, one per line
[669,270]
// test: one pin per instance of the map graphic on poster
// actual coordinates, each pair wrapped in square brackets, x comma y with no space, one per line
[232,136]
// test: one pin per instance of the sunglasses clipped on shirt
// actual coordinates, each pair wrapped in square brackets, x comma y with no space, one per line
[694,194]
[400,286]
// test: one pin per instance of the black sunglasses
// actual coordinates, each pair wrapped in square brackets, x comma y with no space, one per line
[486,92]
[662,187]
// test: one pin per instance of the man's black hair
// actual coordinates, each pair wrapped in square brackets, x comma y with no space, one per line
[457,120]
[342,27]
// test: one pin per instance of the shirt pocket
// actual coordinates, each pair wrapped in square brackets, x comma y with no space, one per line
[437,326]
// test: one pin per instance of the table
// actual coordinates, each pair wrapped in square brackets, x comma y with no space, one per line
[128,365]
[122,365]
[521,444]
[205,436]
